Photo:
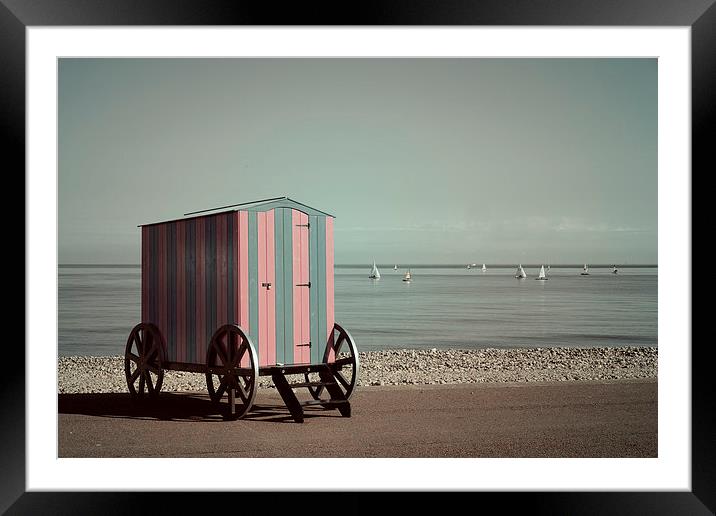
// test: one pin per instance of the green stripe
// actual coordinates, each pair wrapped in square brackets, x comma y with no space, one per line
[279,288]
[321,290]
[253,279]
[288,287]
[313,275]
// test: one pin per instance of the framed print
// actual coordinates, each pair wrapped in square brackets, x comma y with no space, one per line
[436,130]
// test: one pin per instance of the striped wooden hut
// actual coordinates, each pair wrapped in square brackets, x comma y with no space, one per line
[238,292]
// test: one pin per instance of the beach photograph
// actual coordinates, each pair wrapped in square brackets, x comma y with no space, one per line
[357,258]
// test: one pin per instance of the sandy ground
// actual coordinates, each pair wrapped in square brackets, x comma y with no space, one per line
[613,418]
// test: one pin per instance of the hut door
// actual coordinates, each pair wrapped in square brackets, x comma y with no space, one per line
[301,289]
[292,287]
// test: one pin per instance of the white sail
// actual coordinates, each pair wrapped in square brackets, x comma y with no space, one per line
[407,276]
[484,268]
[541,273]
[374,273]
[520,272]
[395,267]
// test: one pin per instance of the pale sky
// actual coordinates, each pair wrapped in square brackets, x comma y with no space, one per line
[420,160]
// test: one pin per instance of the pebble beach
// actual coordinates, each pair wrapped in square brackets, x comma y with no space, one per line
[88,374]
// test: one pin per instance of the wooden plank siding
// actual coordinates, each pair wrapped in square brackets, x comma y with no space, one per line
[200,273]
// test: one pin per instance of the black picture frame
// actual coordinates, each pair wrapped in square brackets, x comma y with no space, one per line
[17,15]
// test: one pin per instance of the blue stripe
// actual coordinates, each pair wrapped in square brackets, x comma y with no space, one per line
[279,288]
[320,290]
[313,277]
[253,279]
[288,287]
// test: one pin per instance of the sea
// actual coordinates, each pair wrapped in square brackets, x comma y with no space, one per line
[442,307]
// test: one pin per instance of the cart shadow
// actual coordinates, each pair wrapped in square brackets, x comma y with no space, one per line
[174,407]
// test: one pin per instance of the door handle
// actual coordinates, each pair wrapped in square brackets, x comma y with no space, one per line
[267,285]
[304,284]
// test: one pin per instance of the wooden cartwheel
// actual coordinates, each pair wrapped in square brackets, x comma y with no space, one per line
[143,360]
[232,369]
[343,365]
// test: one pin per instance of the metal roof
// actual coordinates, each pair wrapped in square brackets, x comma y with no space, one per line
[259,205]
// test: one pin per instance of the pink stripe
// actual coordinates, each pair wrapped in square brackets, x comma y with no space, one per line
[301,315]
[236,316]
[263,316]
[329,287]
[297,307]
[305,292]
[244,270]
[270,294]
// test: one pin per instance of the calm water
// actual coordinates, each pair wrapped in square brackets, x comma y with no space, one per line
[456,308]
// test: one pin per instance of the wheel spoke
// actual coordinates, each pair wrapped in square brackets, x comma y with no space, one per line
[240,355]
[222,388]
[134,375]
[339,343]
[141,383]
[220,351]
[154,368]
[138,342]
[343,361]
[341,379]
[243,393]
[150,385]
[134,358]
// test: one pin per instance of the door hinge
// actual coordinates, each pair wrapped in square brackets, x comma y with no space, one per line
[304,284]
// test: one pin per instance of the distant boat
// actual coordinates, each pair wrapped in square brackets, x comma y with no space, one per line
[614,270]
[407,276]
[585,271]
[484,269]
[395,267]
[520,272]
[468,265]
[542,275]
[474,265]
[548,268]
[374,273]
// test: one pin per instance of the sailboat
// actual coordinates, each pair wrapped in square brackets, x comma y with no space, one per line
[407,276]
[468,265]
[484,268]
[374,273]
[614,269]
[520,272]
[542,275]
[395,267]
[585,271]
